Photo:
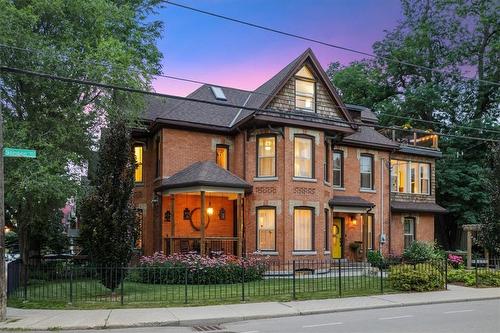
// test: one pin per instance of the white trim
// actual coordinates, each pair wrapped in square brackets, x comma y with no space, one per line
[204,188]
[266,253]
[348,209]
[304,253]
[265,179]
[367,190]
[308,180]
[339,188]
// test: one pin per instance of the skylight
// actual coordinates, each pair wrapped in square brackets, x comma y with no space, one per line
[218,93]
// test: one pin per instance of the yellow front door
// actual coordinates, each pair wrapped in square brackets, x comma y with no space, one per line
[336,250]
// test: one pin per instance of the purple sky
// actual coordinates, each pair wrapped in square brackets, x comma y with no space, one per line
[209,49]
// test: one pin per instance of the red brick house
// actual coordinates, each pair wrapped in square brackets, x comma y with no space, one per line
[296,173]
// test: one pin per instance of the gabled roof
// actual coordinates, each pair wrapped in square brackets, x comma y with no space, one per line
[204,173]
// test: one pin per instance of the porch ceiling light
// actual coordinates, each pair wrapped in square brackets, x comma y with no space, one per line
[210,210]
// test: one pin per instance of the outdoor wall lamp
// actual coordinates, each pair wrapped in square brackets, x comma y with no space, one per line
[168,216]
[353,220]
[186,214]
[222,214]
[210,210]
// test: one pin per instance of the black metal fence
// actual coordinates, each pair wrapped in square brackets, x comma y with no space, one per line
[62,282]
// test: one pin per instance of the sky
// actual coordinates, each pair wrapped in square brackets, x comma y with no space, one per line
[209,49]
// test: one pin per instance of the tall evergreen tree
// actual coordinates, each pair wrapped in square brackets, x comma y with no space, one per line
[107,217]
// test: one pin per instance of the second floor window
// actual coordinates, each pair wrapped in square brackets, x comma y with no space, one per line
[138,176]
[266,229]
[410,177]
[221,156]
[303,164]
[366,172]
[266,156]
[338,168]
[326,162]
[305,90]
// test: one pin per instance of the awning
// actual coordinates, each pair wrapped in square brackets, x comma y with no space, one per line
[204,176]
[350,204]
[424,207]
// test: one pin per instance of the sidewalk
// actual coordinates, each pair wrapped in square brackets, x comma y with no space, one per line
[188,316]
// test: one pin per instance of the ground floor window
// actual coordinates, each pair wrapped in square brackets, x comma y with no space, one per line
[409,231]
[303,229]
[266,229]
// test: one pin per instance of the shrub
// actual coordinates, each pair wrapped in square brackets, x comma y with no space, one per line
[421,251]
[196,269]
[376,259]
[486,278]
[418,277]
[455,261]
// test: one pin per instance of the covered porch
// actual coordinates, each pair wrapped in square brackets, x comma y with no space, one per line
[202,211]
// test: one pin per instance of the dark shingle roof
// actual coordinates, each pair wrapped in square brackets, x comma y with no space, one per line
[367,115]
[420,151]
[404,206]
[204,173]
[367,136]
[349,201]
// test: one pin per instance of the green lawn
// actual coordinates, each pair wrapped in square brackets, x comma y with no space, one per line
[90,294]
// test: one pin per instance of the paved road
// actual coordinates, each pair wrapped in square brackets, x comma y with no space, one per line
[467,317]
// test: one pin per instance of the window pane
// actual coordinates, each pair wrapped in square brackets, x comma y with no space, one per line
[303,157]
[337,169]
[266,157]
[138,166]
[413,178]
[366,172]
[304,102]
[402,173]
[266,226]
[221,157]
[303,229]
[408,231]
[304,94]
[425,178]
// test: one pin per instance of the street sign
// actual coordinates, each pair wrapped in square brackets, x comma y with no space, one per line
[17,152]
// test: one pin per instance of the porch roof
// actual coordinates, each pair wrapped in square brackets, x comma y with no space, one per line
[350,204]
[204,174]
[429,207]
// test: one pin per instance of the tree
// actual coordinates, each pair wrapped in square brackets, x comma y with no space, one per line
[107,216]
[61,120]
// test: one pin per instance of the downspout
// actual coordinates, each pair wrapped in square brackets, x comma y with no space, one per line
[381,205]
[390,203]
[283,178]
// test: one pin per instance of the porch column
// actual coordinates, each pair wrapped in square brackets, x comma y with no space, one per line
[202,223]
[365,236]
[239,225]
[172,222]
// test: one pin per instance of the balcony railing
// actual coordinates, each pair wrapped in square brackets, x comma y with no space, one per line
[213,245]
[416,139]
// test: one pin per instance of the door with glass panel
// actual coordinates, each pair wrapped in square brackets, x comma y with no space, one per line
[337,239]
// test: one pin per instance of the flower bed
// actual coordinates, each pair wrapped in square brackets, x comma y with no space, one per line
[196,269]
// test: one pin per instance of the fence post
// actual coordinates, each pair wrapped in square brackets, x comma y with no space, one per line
[186,285]
[382,278]
[294,295]
[243,283]
[445,274]
[340,279]
[71,286]
[121,286]
[25,282]
[477,280]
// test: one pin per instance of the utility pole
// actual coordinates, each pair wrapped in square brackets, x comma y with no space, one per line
[3,276]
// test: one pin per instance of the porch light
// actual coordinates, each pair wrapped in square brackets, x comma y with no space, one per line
[210,210]
[353,220]
[168,216]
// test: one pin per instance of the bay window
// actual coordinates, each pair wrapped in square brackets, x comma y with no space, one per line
[303,229]
[410,177]
[266,228]
[266,156]
[303,162]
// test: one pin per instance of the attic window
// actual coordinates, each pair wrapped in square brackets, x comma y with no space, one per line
[218,93]
[305,90]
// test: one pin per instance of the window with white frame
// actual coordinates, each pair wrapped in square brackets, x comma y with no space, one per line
[303,229]
[303,164]
[410,177]
[305,90]
[338,168]
[366,171]
[408,231]
[266,228]
[266,156]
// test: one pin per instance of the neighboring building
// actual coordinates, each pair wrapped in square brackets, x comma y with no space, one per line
[296,174]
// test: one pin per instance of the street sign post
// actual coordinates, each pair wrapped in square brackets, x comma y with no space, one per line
[17,152]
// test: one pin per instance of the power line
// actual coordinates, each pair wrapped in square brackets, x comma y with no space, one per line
[258,110]
[243,90]
[281,32]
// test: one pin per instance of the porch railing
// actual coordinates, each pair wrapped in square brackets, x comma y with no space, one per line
[213,245]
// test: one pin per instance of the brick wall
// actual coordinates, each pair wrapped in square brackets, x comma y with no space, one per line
[424,229]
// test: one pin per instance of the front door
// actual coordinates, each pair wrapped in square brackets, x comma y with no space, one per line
[337,240]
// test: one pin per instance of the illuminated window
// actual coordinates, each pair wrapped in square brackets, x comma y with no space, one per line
[221,156]
[266,229]
[425,170]
[413,177]
[410,177]
[366,171]
[305,89]
[303,229]
[266,156]
[138,177]
[303,166]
